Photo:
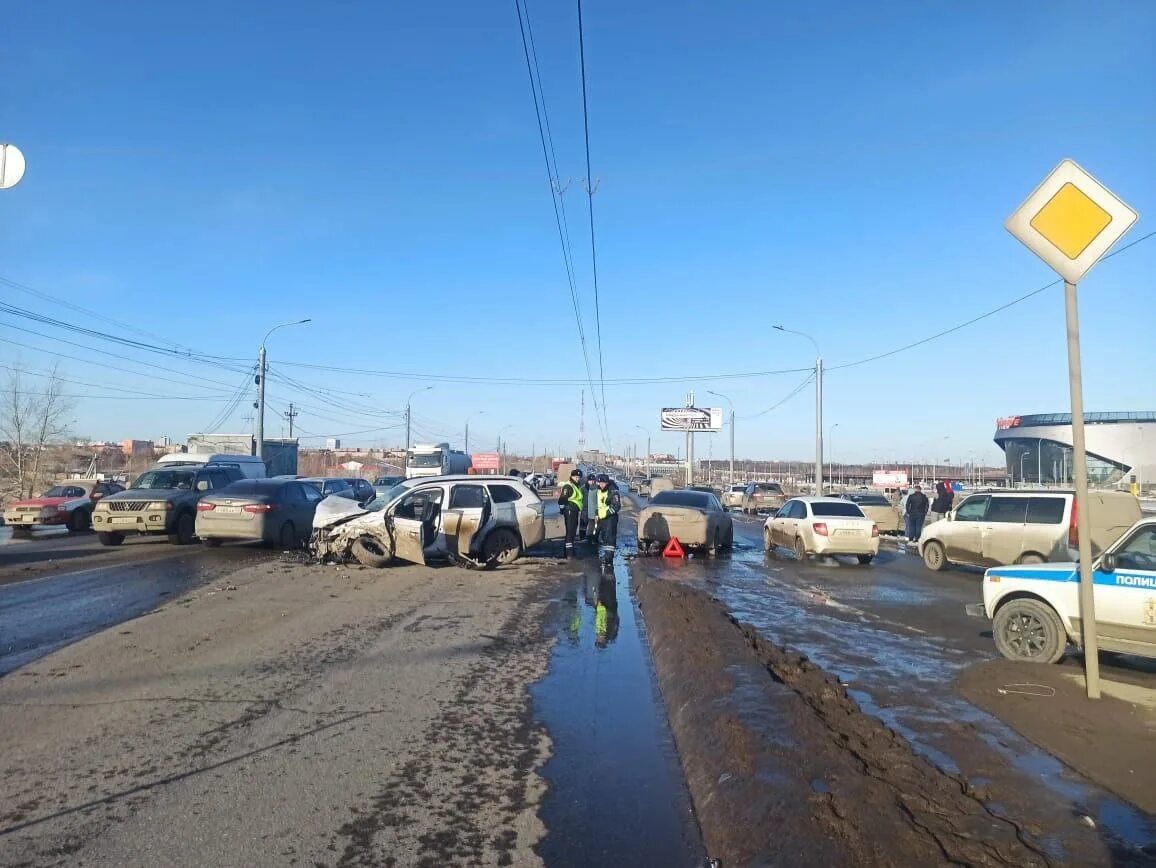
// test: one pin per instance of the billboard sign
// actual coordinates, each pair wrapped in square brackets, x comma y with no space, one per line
[888,478]
[691,419]
[1007,422]
[486,462]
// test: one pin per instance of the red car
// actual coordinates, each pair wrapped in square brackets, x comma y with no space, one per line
[67,503]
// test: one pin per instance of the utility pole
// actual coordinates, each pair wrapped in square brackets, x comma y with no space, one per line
[819,426]
[689,446]
[409,414]
[262,369]
[291,414]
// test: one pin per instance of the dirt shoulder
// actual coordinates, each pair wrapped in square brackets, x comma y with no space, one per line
[288,713]
[784,767]
[1111,740]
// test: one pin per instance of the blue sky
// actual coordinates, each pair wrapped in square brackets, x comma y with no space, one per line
[202,173]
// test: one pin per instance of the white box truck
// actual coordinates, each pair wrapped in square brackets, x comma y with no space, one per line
[435,459]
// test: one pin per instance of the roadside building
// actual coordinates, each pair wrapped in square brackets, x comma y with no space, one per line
[1121,448]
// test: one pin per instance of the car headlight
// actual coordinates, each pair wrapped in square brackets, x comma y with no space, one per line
[62,509]
[159,504]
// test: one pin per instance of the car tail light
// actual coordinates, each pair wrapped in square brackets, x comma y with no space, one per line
[874,530]
[257,507]
[1074,527]
[820,527]
[205,507]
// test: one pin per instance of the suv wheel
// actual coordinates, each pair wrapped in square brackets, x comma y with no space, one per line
[1029,630]
[934,558]
[110,539]
[501,547]
[184,531]
[79,521]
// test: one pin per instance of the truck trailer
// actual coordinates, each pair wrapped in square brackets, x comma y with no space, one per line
[435,459]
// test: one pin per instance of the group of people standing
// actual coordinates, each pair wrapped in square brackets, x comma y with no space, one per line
[915,507]
[590,510]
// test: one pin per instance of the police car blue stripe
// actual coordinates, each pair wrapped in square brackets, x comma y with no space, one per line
[1118,579]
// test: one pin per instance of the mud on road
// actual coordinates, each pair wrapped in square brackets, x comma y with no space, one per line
[785,768]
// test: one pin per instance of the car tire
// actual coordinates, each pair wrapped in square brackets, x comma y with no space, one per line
[369,552]
[110,539]
[730,541]
[1029,631]
[287,537]
[934,557]
[800,549]
[184,530]
[767,544]
[22,532]
[866,559]
[1032,558]
[213,543]
[715,546]
[501,548]
[79,521]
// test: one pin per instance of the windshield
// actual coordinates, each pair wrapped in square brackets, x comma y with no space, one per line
[385,498]
[870,499]
[64,491]
[836,510]
[770,486]
[434,460]
[162,480]
[694,499]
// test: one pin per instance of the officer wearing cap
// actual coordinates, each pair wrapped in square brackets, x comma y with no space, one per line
[570,500]
[609,505]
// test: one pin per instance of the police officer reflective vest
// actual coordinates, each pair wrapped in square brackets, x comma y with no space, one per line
[605,503]
[575,497]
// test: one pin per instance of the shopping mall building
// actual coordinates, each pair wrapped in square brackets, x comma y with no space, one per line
[1121,448]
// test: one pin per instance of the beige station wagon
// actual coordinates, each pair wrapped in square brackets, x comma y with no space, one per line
[998,528]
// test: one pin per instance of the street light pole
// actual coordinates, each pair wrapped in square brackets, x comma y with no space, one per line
[262,369]
[468,418]
[732,406]
[818,408]
[409,415]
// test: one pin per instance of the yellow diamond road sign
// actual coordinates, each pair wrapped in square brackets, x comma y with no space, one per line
[1070,221]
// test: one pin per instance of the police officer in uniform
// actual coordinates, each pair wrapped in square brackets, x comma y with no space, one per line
[609,505]
[570,500]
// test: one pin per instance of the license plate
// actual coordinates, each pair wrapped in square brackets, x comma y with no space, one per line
[848,532]
[27,519]
[228,510]
[123,519]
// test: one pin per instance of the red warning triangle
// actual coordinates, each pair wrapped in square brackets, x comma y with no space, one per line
[673,549]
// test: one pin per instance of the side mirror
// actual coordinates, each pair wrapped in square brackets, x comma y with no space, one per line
[1108,562]
[950,516]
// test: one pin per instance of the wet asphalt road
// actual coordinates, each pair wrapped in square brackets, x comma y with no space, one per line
[83,587]
[898,636]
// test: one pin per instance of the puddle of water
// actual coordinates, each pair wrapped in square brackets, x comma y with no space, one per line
[616,790]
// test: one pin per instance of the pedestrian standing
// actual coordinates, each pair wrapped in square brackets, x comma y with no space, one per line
[590,512]
[904,493]
[944,497]
[570,501]
[915,513]
[609,505]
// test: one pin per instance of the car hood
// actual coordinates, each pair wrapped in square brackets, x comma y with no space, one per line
[42,501]
[145,494]
[336,509]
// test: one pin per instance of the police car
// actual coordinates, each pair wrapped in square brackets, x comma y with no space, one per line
[1035,609]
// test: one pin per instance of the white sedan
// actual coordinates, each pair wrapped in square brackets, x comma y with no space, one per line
[822,526]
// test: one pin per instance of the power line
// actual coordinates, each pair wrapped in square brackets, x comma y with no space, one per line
[810,377]
[42,374]
[976,319]
[549,155]
[590,203]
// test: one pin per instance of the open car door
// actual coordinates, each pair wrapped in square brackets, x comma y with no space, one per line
[468,514]
[407,533]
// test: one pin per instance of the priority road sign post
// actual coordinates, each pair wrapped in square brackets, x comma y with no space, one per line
[1070,221]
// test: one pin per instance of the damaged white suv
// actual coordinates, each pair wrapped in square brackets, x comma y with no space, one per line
[475,521]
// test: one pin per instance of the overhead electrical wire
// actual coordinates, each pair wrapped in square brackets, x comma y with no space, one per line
[549,155]
[590,207]
[810,378]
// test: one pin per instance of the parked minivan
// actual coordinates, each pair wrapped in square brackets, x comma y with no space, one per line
[251,466]
[997,528]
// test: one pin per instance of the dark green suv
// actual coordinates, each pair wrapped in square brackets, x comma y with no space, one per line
[163,499]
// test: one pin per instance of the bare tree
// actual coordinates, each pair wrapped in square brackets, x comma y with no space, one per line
[30,421]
